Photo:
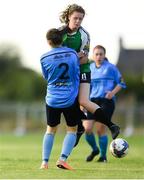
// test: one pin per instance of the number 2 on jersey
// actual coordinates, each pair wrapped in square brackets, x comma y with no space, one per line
[64,74]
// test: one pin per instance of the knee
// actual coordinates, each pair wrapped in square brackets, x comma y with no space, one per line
[83,101]
[88,126]
[101,132]
[51,130]
[71,129]
[88,130]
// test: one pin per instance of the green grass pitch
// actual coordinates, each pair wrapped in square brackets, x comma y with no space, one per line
[20,158]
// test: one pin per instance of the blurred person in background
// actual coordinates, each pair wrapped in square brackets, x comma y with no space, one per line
[106,82]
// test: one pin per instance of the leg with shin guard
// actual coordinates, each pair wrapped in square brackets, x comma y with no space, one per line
[101,117]
[80,129]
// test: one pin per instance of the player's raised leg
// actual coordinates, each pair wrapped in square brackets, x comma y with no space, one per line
[96,110]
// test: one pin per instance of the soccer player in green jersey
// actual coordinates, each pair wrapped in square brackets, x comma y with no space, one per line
[77,38]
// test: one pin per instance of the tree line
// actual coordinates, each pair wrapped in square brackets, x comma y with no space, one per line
[18,83]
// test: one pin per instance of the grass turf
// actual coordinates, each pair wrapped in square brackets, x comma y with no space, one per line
[20,158]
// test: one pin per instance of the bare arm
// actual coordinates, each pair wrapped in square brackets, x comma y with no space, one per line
[110,94]
[83,57]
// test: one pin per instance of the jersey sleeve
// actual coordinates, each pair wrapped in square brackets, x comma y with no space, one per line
[43,68]
[118,78]
[85,37]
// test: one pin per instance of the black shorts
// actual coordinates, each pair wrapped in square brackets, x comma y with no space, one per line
[107,105]
[72,115]
[85,77]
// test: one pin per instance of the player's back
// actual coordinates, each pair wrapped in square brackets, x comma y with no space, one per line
[60,68]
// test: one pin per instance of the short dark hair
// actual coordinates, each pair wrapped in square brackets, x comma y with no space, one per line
[54,36]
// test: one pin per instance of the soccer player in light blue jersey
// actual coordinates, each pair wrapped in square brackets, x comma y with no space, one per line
[60,68]
[106,82]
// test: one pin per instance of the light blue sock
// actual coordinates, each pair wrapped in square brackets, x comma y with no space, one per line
[103,143]
[48,140]
[68,144]
[90,138]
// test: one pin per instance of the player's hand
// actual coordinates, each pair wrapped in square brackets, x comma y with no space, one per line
[109,95]
[83,57]
[81,54]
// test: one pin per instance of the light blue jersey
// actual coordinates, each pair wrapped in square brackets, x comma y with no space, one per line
[104,79]
[60,68]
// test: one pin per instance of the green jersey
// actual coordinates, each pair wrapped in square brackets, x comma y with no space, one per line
[79,41]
